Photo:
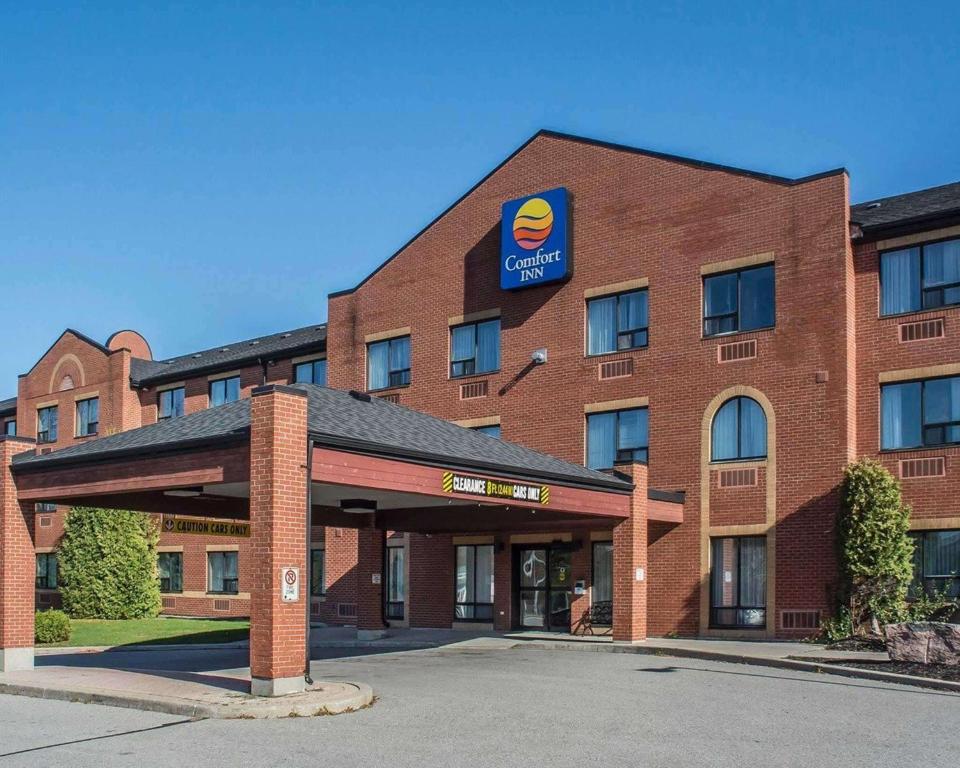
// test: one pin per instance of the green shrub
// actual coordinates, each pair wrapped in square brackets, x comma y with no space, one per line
[51,627]
[837,628]
[936,605]
[108,564]
[876,554]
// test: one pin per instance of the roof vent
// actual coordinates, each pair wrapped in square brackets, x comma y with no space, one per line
[871,206]
[363,397]
[254,343]
[196,356]
[224,349]
[284,335]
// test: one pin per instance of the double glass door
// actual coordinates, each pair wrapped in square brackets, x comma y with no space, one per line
[545,583]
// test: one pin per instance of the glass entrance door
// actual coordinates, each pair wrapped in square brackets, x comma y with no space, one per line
[545,581]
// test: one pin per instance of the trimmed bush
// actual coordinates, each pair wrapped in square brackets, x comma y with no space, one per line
[876,554]
[108,564]
[51,627]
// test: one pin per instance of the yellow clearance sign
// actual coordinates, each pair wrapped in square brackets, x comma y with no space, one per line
[495,489]
[197,527]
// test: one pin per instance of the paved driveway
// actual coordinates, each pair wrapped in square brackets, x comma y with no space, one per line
[475,707]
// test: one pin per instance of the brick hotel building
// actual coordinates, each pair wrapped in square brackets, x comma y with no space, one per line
[739,335]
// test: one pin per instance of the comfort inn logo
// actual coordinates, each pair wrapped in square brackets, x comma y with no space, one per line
[533,223]
[533,240]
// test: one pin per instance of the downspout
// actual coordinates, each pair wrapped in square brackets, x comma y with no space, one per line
[306,662]
[263,368]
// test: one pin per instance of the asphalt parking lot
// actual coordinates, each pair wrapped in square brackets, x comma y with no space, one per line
[475,707]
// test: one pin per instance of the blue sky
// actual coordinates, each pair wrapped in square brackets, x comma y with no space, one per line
[203,174]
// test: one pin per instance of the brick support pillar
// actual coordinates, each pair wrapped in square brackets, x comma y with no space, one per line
[278,518]
[17,565]
[371,545]
[581,563]
[630,564]
[502,584]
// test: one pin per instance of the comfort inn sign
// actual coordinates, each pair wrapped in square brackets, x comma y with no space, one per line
[533,240]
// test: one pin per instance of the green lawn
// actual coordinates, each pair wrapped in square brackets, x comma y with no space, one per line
[156,631]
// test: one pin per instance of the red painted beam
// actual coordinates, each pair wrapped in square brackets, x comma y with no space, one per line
[375,473]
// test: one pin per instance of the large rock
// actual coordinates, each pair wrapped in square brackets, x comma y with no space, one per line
[925,642]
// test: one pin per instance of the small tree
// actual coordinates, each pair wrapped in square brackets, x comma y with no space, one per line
[876,554]
[108,564]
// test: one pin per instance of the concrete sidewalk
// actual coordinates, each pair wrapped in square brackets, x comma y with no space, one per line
[196,695]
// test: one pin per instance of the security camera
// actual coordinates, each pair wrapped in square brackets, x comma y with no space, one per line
[539,356]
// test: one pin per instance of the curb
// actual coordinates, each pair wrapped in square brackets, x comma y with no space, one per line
[359,696]
[757,661]
[237,646]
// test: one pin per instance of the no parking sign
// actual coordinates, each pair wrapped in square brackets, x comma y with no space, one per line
[290,584]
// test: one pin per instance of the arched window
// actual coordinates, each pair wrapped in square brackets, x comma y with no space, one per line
[739,431]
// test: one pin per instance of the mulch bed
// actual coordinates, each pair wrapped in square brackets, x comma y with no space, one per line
[933,671]
[858,644]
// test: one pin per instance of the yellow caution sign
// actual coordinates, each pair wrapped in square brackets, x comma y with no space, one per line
[199,527]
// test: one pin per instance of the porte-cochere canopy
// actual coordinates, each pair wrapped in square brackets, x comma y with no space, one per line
[352,461]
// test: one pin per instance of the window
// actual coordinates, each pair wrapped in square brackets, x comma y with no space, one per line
[46,570]
[475,348]
[396,582]
[920,413]
[739,431]
[44,506]
[47,419]
[388,363]
[922,277]
[222,573]
[311,372]
[738,582]
[10,428]
[474,583]
[617,322]
[170,569]
[318,584]
[170,403]
[738,301]
[616,436]
[224,391]
[602,573]
[88,417]
[491,429]
[936,562]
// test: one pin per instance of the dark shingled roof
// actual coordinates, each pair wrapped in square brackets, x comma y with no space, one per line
[907,208]
[8,406]
[347,421]
[313,337]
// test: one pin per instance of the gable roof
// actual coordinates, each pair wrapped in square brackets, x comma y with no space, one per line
[911,208]
[82,336]
[347,421]
[701,164]
[8,406]
[226,356]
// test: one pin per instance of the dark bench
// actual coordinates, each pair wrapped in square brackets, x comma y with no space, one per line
[597,616]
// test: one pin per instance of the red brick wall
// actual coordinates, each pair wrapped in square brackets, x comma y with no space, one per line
[879,351]
[341,575]
[635,216]
[121,407]
[431,581]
